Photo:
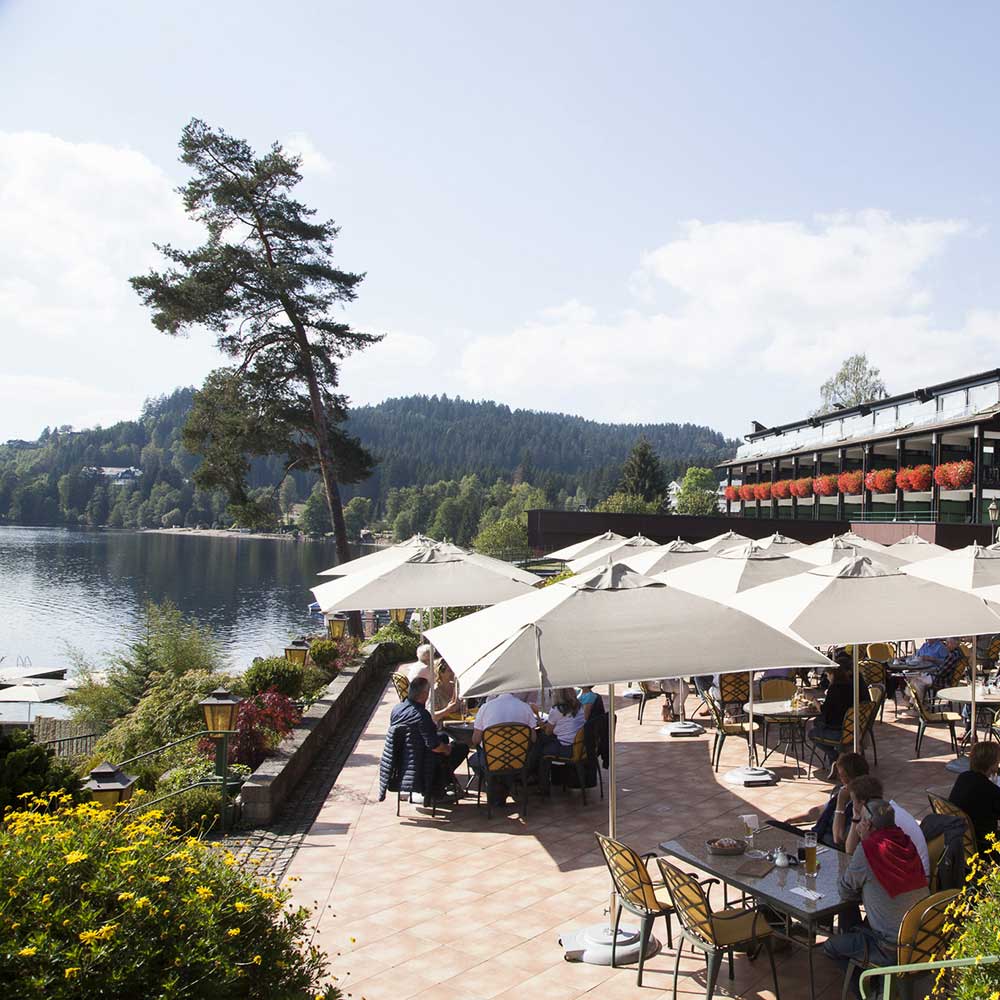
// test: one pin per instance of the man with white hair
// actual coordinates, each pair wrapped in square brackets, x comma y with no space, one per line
[422,666]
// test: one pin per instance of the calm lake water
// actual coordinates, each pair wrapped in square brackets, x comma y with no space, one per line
[87,589]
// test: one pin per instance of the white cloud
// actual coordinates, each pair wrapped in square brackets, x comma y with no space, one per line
[760,314]
[313,161]
[78,220]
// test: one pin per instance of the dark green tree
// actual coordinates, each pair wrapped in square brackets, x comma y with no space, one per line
[642,474]
[265,284]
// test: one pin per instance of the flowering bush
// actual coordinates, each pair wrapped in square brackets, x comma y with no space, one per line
[954,475]
[851,483]
[881,481]
[123,907]
[781,490]
[263,721]
[330,655]
[732,493]
[915,480]
[825,486]
[801,487]
[762,491]
[747,492]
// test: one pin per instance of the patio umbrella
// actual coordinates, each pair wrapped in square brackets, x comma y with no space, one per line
[913,548]
[388,554]
[781,543]
[588,545]
[614,552]
[724,541]
[853,538]
[859,600]
[49,691]
[832,550]
[607,627]
[650,561]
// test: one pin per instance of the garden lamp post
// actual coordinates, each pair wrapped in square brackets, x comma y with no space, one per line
[297,652]
[336,626]
[109,786]
[398,615]
[994,513]
[220,709]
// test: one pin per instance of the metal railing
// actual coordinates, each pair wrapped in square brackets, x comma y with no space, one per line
[888,971]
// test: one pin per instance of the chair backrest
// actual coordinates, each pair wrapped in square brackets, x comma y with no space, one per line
[777,689]
[630,875]
[690,902]
[867,711]
[872,671]
[847,732]
[926,931]
[649,688]
[506,747]
[935,852]
[734,688]
[402,685]
[877,694]
[716,709]
[917,700]
[579,748]
[945,808]
[959,670]
[993,653]
[882,652]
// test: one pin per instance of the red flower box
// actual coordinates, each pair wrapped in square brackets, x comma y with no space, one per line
[781,490]
[851,483]
[942,475]
[915,480]
[881,481]
[954,475]
[801,487]
[732,493]
[825,486]
[746,492]
[762,491]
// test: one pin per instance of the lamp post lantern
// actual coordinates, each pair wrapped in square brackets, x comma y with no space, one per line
[109,786]
[297,653]
[220,709]
[994,514]
[336,626]
[398,615]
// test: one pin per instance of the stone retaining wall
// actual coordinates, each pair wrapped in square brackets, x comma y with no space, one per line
[271,785]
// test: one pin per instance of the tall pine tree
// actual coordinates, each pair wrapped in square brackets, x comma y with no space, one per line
[642,473]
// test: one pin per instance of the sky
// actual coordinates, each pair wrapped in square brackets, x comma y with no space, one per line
[637,212]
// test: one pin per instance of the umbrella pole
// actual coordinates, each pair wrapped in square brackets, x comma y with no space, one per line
[751,743]
[612,792]
[972,692]
[857,693]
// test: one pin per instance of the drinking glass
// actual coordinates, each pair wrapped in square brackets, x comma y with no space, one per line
[750,826]
[809,844]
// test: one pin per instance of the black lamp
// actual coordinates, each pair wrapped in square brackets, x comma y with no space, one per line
[109,786]
[336,625]
[220,709]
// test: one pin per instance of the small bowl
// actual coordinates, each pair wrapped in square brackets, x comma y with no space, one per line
[713,848]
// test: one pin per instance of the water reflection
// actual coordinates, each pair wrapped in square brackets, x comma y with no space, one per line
[88,588]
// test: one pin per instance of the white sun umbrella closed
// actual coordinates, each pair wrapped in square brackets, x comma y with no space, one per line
[724,541]
[660,558]
[913,548]
[588,545]
[614,552]
[853,538]
[860,600]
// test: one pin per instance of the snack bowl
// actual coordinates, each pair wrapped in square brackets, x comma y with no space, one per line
[726,846]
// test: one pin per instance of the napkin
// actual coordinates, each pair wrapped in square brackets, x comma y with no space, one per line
[801,890]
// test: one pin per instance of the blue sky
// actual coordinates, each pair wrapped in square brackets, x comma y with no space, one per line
[655,211]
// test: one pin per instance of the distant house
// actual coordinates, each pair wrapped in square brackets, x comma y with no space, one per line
[20,445]
[116,475]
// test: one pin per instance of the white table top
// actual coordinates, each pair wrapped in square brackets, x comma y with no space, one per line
[964,694]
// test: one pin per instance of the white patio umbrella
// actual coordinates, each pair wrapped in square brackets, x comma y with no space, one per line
[780,542]
[724,541]
[853,538]
[913,548]
[607,627]
[839,547]
[860,600]
[588,545]
[614,552]
[48,691]
[650,561]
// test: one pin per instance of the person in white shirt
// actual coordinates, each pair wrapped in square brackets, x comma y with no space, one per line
[422,667]
[500,710]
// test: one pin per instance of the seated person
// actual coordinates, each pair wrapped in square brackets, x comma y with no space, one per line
[976,794]
[886,875]
[422,666]
[499,710]
[829,724]
[447,704]
[412,711]
[837,818]
[566,718]
[940,658]
[588,698]
[868,787]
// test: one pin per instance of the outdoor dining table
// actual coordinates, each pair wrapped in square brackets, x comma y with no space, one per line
[988,698]
[791,727]
[775,889]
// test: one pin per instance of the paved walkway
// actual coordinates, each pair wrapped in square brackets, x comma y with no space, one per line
[463,908]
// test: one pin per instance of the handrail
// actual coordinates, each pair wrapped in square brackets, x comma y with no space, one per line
[888,971]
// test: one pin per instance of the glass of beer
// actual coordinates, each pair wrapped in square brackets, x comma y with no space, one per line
[750,826]
[809,840]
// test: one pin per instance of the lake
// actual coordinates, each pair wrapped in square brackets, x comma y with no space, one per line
[61,586]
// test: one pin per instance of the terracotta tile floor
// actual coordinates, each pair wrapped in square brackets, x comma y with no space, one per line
[465,908]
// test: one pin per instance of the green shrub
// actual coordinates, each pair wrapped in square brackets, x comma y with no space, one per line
[275,673]
[563,575]
[129,909]
[196,810]
[314,682]
[401,636]
[326,654]
[27,766]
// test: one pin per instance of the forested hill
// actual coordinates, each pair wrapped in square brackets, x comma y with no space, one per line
[421,439]
[137,474]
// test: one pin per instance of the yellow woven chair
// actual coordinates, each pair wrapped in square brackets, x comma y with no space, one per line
[636,893]
[926,717]
[924,936]
[882,652]
[945,808]
[874,672]
[743,730]
[777,689]
[715,934]
[935,852]
[734,693]
[402,685]
[866,717]
[505,749]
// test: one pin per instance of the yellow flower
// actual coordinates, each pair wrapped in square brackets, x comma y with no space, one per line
[124,896]
[46,899]
[233,932]
[75,857]
[27,952]
[141,902]
[239,907]
[256,960]
[89,937]
[204,892]
[162,879]
[72,972]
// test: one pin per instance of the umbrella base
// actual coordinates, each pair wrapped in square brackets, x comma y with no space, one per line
[593,945]
[682,729]
[958,765]
[750,777]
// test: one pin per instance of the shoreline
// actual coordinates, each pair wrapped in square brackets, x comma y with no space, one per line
[223,533]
